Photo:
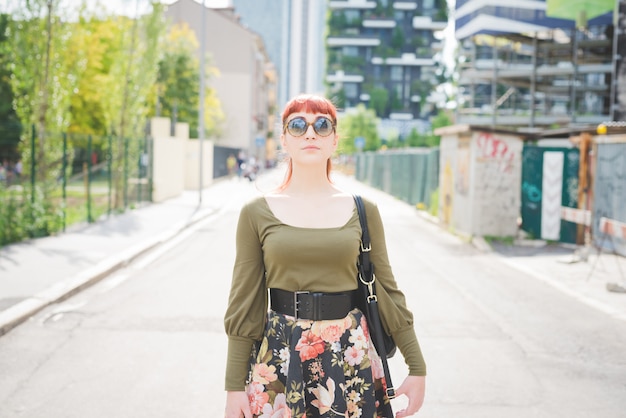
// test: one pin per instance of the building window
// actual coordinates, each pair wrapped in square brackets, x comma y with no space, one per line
[396,73]
[351,90]
[350,51]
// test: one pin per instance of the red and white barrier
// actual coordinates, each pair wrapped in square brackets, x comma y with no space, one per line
[613,228]
[578,216]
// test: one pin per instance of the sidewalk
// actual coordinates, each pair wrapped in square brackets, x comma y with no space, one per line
[41,272]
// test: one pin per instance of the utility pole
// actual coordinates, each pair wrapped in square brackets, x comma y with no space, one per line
[201,109]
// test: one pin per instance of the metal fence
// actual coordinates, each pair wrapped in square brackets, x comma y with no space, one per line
[410,174]
[57,180]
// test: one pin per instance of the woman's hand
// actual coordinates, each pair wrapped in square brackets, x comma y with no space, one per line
[414,388]
[237,405]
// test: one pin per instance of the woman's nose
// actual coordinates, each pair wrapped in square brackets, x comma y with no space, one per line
[310,132]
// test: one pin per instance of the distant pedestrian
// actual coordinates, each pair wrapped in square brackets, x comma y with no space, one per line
[231,164]
[17,169]
[241,161]
[300,244]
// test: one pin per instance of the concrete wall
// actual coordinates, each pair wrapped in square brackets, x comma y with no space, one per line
[496,183]
[192,164]
[479,181]
[168,159]
[176,160]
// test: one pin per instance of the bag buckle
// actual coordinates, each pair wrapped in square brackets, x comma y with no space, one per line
[296,301]
[391,393]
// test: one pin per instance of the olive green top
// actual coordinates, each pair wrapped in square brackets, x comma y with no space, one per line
[271,254]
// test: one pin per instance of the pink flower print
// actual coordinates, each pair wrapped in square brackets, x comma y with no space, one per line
[257,397]
[364,327]
[309,346]
[354,355]
[331,331]
[377,366]
[263,373]
[324,397]
[279,410]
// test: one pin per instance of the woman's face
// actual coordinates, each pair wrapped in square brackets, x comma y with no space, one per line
[309,138]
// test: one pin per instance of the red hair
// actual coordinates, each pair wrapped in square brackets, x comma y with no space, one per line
[308,103]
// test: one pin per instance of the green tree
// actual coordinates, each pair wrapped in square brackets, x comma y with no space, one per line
[43,77]
[379,99]
[10,127]
[94,38]
[176,92]
[442,119]
[178,81]
[133,67]
[397,39]
[361,122]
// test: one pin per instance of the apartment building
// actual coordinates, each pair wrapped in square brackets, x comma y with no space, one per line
[535,63]
[246,79]
[384,54]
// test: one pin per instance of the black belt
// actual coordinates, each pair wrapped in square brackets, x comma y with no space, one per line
[315,306]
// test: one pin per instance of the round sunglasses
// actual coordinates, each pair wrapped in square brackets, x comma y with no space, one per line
[298,126]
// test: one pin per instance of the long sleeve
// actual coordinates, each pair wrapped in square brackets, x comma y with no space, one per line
[247,306]
[396,318]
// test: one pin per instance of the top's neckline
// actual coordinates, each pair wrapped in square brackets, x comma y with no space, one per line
[269,209]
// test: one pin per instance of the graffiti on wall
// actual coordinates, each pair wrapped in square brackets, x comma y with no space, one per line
[497,184]
[491,148]
[462,180]
[447,181]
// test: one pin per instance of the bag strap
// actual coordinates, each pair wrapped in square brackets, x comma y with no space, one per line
[366,269]
[366,245]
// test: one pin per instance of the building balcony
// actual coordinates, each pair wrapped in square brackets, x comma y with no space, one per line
[408,59]
[352,4]
[405,5]
[425,22]
[379,23]
[352,41]
[484,70]
[342,77]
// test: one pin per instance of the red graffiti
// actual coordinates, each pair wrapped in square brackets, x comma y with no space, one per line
[490,148]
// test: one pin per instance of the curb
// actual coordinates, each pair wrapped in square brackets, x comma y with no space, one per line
[20,312]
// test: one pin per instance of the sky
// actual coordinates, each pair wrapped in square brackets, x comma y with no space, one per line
[129,6]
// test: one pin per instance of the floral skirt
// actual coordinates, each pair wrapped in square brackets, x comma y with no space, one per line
[305,369]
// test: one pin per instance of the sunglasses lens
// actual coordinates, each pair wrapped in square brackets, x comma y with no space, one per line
[323,126]
[297,126]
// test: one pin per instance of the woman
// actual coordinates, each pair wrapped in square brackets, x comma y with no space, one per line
[310,355]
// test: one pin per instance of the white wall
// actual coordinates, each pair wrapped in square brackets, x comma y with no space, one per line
[480,181]
[496,183]
[169,153]
[192,164]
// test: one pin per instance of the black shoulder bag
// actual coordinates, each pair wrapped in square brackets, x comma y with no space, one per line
[368,301]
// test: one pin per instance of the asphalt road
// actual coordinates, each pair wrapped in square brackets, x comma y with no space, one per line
[148,341]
